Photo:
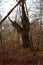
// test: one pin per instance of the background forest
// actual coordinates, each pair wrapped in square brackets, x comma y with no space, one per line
[21,32]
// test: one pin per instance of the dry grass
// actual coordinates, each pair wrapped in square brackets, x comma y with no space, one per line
[12,52]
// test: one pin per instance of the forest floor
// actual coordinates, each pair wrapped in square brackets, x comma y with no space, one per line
[12,52]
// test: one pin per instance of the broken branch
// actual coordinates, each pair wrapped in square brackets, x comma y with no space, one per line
[18,27]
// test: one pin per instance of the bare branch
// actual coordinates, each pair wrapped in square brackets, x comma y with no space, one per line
[9,12]
[15,25]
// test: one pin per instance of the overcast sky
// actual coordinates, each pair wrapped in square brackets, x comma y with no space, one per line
[6,5]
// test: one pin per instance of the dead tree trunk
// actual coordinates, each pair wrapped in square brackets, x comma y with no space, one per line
[24,31]
[25,34]
[26,28]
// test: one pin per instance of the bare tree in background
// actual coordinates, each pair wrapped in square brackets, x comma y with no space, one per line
[41,14]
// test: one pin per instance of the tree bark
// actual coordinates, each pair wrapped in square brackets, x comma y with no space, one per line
[26,28]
